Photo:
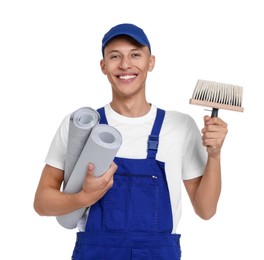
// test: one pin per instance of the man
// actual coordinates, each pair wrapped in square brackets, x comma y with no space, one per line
[135,206]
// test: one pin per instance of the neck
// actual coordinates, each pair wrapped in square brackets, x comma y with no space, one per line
[131,109]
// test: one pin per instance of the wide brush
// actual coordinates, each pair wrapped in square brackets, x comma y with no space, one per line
[217,96]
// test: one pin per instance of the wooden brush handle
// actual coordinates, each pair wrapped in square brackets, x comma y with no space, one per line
[214,112]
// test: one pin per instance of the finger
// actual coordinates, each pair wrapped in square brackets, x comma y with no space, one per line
[206,118]
[90,169]
[111,170]
[214,121]
[113,166]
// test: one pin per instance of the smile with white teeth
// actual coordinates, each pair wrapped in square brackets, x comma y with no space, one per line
[127,77]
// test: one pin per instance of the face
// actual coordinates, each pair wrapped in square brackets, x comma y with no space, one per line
[126,64]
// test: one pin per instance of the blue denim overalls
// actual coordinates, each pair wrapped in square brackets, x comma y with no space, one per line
[133,220]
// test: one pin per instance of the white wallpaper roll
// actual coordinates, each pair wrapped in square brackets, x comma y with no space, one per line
[81,123]
[100,149]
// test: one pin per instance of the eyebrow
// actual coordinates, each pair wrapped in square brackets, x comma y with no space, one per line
[131,50]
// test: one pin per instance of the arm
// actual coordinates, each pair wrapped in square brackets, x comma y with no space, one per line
[50,201]
[204,191]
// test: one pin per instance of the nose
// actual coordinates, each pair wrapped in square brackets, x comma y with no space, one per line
[125,63]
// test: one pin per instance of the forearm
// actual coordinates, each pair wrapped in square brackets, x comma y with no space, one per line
[51,202]
[209,189]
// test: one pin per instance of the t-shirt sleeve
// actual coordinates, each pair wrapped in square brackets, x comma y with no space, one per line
[58,147]
[194,155]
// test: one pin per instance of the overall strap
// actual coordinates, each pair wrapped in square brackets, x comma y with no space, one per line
[103,119]
[153,140]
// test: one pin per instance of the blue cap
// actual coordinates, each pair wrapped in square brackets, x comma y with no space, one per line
[126,29]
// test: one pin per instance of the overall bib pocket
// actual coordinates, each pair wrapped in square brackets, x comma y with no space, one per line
[132,203]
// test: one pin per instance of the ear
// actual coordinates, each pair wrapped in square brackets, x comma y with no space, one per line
[102,65]
[152,60]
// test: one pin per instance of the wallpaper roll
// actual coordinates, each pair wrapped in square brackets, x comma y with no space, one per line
[81,123]
[100,149]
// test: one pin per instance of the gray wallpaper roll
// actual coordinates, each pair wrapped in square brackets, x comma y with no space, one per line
[100,149]
[104,142]
[81,123]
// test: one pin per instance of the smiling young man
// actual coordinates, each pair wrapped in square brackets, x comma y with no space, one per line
[135,207]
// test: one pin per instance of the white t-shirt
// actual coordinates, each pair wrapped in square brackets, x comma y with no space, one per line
[180,147]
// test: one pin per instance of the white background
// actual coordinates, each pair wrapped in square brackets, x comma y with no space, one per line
[49,66]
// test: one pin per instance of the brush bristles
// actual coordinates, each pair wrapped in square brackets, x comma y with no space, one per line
[217,95]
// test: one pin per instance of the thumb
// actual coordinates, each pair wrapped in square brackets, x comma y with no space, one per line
[206,119]
[90,169]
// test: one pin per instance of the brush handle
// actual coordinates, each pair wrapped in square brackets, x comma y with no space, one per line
[214,112]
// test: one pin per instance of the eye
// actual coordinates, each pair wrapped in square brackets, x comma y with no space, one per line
[115,56]
[136,55]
